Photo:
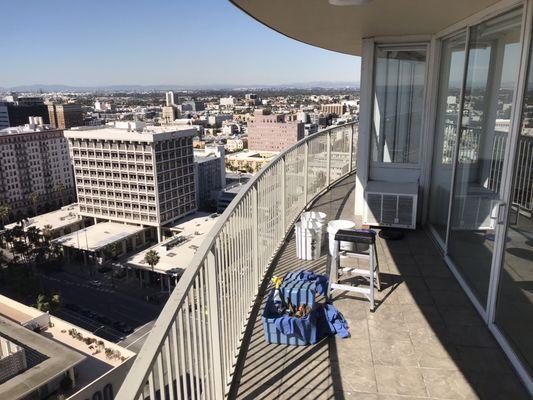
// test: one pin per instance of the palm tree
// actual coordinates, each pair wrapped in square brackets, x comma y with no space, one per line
[151,258]
[34,199]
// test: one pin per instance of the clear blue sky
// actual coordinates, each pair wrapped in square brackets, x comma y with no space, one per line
[106,42]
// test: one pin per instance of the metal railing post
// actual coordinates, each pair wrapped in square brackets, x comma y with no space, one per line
[328,165]
[283,201]
[306,156]
[214,326]
[350,146]
[255,236]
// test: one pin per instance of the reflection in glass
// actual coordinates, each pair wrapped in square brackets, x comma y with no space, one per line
[398,104]
[493,60]
[514,309]
[450,82]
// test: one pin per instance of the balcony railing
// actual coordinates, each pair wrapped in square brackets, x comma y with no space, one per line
[192,349]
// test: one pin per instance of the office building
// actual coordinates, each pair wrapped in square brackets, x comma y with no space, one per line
[19,112]
[35,171]
[65,116]
[4,115]
[216,120]
[134,174]
[210,175]
[269,132]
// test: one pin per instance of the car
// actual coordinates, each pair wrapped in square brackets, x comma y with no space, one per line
[104,269]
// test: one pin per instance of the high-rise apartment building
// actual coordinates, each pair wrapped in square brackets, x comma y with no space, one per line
[35,171]
[65,116]
[269,132]
[137,175]
[4,115]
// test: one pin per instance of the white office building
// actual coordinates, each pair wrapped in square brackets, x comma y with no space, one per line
[136,175]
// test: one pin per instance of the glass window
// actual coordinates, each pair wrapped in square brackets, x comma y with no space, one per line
[398,104]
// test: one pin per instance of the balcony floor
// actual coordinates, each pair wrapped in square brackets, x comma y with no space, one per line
[425,339]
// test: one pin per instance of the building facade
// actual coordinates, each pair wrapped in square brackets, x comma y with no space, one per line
[210,175]
[35,172]
[143,177]
[335,109]
[65,116]
[268,132]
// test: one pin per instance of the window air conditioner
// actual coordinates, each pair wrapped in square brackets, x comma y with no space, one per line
[390,204]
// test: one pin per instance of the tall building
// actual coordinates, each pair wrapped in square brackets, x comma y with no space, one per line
[35,172]
[269,132]
[65,116]
[4,115]
[169,97]
[210,175]
[137,175]
[24,108]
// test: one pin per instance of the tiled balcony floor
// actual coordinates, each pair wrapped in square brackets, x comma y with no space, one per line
[425,340]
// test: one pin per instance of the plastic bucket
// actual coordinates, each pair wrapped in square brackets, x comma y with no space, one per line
[308,242]
[333,227]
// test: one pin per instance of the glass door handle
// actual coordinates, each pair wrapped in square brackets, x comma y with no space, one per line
[500,215]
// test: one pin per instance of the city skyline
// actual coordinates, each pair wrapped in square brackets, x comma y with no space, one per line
[159,43]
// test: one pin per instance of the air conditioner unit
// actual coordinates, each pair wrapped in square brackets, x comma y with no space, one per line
[390,204]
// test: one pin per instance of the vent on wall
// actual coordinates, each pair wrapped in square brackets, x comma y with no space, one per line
[392,205]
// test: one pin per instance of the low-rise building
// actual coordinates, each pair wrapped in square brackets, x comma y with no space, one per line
[233,145]
[248,161]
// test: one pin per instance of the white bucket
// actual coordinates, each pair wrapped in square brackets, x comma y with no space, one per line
[333,227]
[308,242]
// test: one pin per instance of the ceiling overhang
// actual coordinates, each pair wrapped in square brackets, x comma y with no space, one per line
[342,28]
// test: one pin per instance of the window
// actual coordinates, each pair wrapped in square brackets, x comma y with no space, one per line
[398,104]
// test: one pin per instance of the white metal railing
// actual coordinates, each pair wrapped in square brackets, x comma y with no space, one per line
[192,348]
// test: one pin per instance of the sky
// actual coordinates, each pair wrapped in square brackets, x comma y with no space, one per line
[148,42]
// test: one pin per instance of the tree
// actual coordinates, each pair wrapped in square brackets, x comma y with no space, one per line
[46,303]
[5,209]
[151,258]
[111,250]
[34,199]
[34,235]
[47,232]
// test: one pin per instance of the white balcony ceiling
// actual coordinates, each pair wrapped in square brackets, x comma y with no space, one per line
[341,28]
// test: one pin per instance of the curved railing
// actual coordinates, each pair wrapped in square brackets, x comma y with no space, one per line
[192,348]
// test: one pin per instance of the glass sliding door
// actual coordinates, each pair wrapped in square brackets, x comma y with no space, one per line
[492,70]
[448,102]
[514,307]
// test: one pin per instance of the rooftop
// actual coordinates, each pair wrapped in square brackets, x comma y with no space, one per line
[177,252]
[28,128]
[57,219]
[134,132]
[54,359]
[98,236]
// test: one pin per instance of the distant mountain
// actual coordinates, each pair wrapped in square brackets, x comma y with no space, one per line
[143,88]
